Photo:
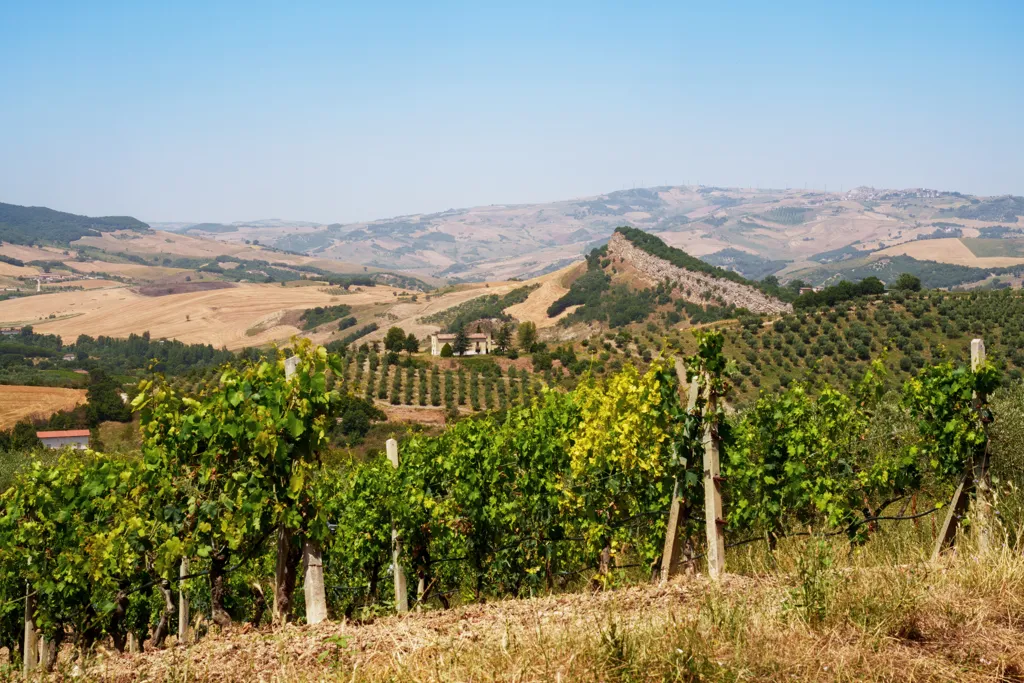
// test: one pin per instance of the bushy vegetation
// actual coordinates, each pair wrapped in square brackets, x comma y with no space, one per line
[787,215]
[560,490]
[656,247]
[844,291]
[314,317]
[909,330]
[488,306]
[36,224]
[748,265]
[1003,209]
[934,275]
[38,359]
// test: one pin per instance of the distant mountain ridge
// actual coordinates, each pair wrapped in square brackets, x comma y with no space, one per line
[37,224]
[756,232]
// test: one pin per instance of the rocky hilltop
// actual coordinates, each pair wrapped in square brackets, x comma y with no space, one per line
[697,287]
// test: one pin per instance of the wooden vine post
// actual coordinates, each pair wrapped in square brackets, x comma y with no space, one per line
[975,480]
[673,549]
[714,522]
[401,590]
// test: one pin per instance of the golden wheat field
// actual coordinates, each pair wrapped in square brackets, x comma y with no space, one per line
[17,402]
[219,317]
[949,250]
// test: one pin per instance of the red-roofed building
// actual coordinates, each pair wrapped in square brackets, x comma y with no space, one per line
[73,438]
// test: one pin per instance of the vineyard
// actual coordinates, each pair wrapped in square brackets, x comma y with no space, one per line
[542,491]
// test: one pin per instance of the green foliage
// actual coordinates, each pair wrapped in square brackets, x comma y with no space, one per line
[488,306]
[526,334]
[1004,209]
[844,291]
[787,215]
[933,274]
[132,356]
[394,340]
[656,247]
[948,402]
[461,343]
[340,345]
[907,282]
[104,400]
[314,317]
[32,224]
[585,290]
[751,266]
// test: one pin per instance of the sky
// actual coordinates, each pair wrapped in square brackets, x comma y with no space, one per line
[344,111]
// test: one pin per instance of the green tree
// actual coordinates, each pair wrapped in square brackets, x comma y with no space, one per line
[395,339]
[503,339]
[527,336]
[461,343]
[104,400]
[907,282]
[412,344]
[23,437]
[446,350]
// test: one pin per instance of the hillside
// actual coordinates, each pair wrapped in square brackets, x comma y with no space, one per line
[779,231]
[636,278]
[37,224]
[883,624]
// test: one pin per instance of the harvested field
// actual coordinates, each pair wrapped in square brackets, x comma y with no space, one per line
[23,253]
[181,288]
[91,284]
[949,250]
[17,402]
[10,270]
[130,270]
[219,317]
[427,415]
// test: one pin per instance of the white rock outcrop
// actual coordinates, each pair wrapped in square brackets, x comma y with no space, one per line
[697,284]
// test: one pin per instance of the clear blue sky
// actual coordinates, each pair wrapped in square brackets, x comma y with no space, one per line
[342,111]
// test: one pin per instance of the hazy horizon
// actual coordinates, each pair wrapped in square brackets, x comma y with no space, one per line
[235,112]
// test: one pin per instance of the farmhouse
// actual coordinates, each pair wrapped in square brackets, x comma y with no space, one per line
[479,343]
[10,331]
[77,439]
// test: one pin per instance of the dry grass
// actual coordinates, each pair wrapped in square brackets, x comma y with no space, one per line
[552,287]
[949,250]
[220,317]
[821,614]
[17,402]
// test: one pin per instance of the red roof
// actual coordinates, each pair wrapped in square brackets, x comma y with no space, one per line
[63,434]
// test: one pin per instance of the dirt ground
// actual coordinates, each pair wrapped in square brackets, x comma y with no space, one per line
[17,402]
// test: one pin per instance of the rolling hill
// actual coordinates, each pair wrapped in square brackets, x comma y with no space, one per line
[37,224]
[756,232]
